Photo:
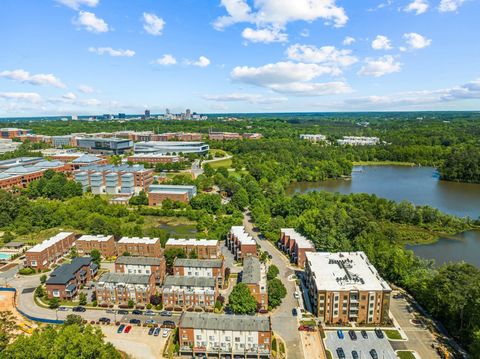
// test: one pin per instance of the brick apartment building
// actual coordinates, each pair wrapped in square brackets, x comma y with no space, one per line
[8,132]
[43,255]
[240,243]
[295,245]
[207,268]
[345,287]
[104,244]
[65,280]
[153,158]
[255,277]
[142,265]
[204,248]
[138,246]
[189,292]
[225,335]
[224,136]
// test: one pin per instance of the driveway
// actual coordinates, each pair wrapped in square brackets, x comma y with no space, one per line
[283,322]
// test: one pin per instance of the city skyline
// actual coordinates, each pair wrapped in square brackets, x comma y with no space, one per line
[88,57]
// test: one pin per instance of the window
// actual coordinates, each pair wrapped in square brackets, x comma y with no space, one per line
[33,263]
[56,293]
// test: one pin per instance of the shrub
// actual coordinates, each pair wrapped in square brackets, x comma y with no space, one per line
[27,271]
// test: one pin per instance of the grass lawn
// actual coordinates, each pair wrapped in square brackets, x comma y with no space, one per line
[382,163]
[329,355]
[177,226]
[392,334]
[405,355]
[216,152]
[227,162]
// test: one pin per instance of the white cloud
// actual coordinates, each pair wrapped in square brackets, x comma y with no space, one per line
[85,89]
[381,42]
[166,60]
[416,41]
[112,52]
[32,97]
[348,41]
[450,5]
[245,97]
[280,12]
[69,96]
[75,4]
[265,35]
[419,6]
[38,79]
[153,24]
[201,62]
[91,22]
[326,55]
[380,67]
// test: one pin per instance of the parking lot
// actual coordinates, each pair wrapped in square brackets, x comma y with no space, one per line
[362,346]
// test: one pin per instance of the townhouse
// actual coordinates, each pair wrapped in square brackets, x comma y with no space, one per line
[189,292]
[207,268]
[295,245]
[254,275]
[345,287]
[240,243]
[104,244]
[42,255]
[66,280]
[204,248]
[140,246]
[225,335]
[142,265]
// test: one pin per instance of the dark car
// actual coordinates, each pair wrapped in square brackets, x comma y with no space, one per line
[150,313]
[120,328]
[166,313]
[137,312]
[79,309]
[156,332]
[168,324]
[294,312]
[151,330]
[352,334]
[135,321]
[373,354]
[122,312]
[340,353]
[364,334]
[379,333]
[355,354]
[104,320]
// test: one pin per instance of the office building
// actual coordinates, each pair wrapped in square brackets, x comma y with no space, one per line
[153,158]
[10,133]
[109,146]
[147,114]
[159,193]
[359,141]
[120,289]
[104,244]
[63,141]
[42,255]
[142,265]
[228,336]
[7,145]
[240,243]
[313,138]
[177,136]
[224,136]
[206,268]
[295,245]
[171,147]
[345,287]
[65,280]
[254,275]
[140,246]
[204,248]
[189,292]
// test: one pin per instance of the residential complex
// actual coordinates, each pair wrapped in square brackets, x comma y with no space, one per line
[207,268]
[313,138]
[204,248]
[226,335]
[42,255]
[171,147]
[359,141]
[345,287]
[104,244]
[140,246]
[240,243]
[255,277]
[295,245]
[120,289]
[142,265]
[189,292]
[159,193]
[65,280]
[115,146]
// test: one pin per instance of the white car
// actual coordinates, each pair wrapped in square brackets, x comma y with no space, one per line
[296,295]
[165,333]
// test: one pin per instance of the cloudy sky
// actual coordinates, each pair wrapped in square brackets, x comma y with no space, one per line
[62,57]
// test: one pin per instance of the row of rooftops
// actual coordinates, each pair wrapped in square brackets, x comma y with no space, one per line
[241,235]
[67,272]
[301,241]
[191,242]
[115,168]
[49,242]
[189,282]
[198,263]
[123,279]
[211,321]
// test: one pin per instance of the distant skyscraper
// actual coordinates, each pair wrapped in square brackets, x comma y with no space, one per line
[121,115]
[188,113]
[167,111]
[147,114]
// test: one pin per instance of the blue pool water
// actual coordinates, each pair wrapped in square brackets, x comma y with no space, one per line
[5,256]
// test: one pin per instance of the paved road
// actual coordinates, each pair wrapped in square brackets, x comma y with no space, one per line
[283,322]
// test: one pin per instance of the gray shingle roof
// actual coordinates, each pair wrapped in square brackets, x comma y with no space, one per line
[144,261]
[198,263]
[189,281]
[225,322]
[125,278]
[251,270]
[66,272]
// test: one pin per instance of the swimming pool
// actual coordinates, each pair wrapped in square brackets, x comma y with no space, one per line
[5,256]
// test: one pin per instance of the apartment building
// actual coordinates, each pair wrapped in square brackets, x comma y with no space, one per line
[359,141]
[119,289]
[159,193]
[313,138]
[65,280]
[345,287]
[104,244]
[189,292]
[224,136]
[140,246]
[240,243]
[225,335]
[204,248]
[42,255]
[206,268]
[254,275]
[142,265]
[172,147]
[295,245]
[153,158]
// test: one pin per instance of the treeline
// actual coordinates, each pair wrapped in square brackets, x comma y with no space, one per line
[462,165]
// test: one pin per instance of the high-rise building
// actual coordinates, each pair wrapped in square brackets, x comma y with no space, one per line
[188,113]
[147,114]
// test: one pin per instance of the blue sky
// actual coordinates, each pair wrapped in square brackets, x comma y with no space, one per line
[62,57]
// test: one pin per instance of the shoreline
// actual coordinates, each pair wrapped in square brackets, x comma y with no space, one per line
[384,163]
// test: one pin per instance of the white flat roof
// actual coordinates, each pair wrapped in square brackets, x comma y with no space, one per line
[145,240]
[345,271]
[94,238]
[301,241]
[241,235]
[49,242]
[192,242]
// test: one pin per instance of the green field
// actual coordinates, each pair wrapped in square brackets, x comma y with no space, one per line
[225,162]
[393,334]
[405,355]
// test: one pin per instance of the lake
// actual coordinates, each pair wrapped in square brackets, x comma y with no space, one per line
[421,186]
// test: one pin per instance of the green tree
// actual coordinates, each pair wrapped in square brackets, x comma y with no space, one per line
[8,328]
[53,303]
[43,278]
[272,272]
[208,170]
[276,292]
[172,253]
[96,256]
[193,255]
[39,291]
[131,303]
[240,199]
[241,300]
[82,299]
[73,319]
[8,237]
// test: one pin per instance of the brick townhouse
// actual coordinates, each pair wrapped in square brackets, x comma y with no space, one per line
[104,244]
[240,243]
[204,248]
[189,292]
[140,246]
[295,245]
[142,265]
[255,277]
[42,255]
[208,268]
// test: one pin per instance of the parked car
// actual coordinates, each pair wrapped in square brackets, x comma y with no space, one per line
[352,334]
[355,354]
[373,354]
[296,295]
[156,332]
[340,334]
[340,353]
[62,309]
[168,324]
[137,312]
[151,330]
[149,312]
[294,312]
[135,321]
[379,333]
[120,328]
[364,334]
[150,321]
[127,329]
[79,309]
[122,312]
[110,311]
[104,320]
[166,313]
[165,333]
